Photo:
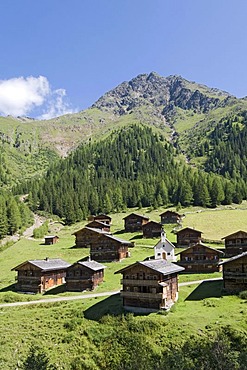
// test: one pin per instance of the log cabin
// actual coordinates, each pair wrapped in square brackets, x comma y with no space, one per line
[235,273]
[134,222]
[84,275]
[108,248]
[200,258]
[151,229]
[149,286]
[188,237]
[51,239]
[170,217]
[164,249]
[235,243]
[103,218]
[36,276]
[87,236]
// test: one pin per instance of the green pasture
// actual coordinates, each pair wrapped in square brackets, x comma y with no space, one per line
[80,328]
[214,223]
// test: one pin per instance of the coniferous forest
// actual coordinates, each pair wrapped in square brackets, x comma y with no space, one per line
[133,167]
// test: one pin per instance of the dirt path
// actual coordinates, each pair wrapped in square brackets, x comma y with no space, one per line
[86,296]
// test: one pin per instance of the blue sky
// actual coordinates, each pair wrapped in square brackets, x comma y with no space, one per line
[60,56]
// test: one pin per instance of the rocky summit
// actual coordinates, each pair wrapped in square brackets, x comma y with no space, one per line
[163,93]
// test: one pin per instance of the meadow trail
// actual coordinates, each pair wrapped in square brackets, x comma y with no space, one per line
[86,296]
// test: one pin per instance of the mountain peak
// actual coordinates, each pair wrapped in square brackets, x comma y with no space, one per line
[161,93]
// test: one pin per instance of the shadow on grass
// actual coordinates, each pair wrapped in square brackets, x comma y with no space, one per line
[110,306]
[207,289]
[137,237]
[9,288]
[56,290]
[120,232]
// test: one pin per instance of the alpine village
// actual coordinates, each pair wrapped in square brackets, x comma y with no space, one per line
[124,232]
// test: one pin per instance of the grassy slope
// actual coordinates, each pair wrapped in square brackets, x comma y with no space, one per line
[199,309]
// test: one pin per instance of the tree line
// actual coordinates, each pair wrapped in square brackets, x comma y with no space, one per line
[14,214]
[133,167]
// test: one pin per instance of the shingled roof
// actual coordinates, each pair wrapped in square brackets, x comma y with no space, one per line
[162,266]
[47,264]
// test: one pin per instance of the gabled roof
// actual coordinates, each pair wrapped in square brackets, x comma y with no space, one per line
[153,223]
[99,223]
[172,212]
[203,245]
[137,215]
[118,239]
[244,254]
[102,215]
[162,266]
[165,242]
[47,264]
[243,233]
[189,229]
[99,231]
[92,265]
[51,236]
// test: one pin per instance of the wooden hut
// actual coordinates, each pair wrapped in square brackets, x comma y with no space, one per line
[170,217]
[235,273]
[51,239]
[188,237]
[134,222]
[87,236]
[235,243]
[103,218]
[151,229]
[200,258]
[84,275]
[36,276]
[149,285]
[108,248]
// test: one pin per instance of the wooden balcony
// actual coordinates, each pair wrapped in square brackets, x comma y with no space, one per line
[140,295]
[139,282]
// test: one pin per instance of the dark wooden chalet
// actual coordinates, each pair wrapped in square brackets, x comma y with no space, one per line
[84,275]
[152,229]
[235,243]
[99,225]
[51,239]
[103,218]
[188,237]
[235,273]
[108,248]
[87,236]
[170,217]
[37,276]
[149,285]
[134,222]
[200,258]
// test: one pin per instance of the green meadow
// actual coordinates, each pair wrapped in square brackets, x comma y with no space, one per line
[78,332]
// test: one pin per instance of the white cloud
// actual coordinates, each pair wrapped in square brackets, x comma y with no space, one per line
[21,96]
[56,105]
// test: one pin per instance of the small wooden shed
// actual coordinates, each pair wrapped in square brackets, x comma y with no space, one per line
[152,229]
[235,273]
[36,276]
[170,217]
[84,275]
[188,237]
[51,239]
[134,222]
[235,243]
[200,258]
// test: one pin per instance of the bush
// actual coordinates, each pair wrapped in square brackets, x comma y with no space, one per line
[243,294]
